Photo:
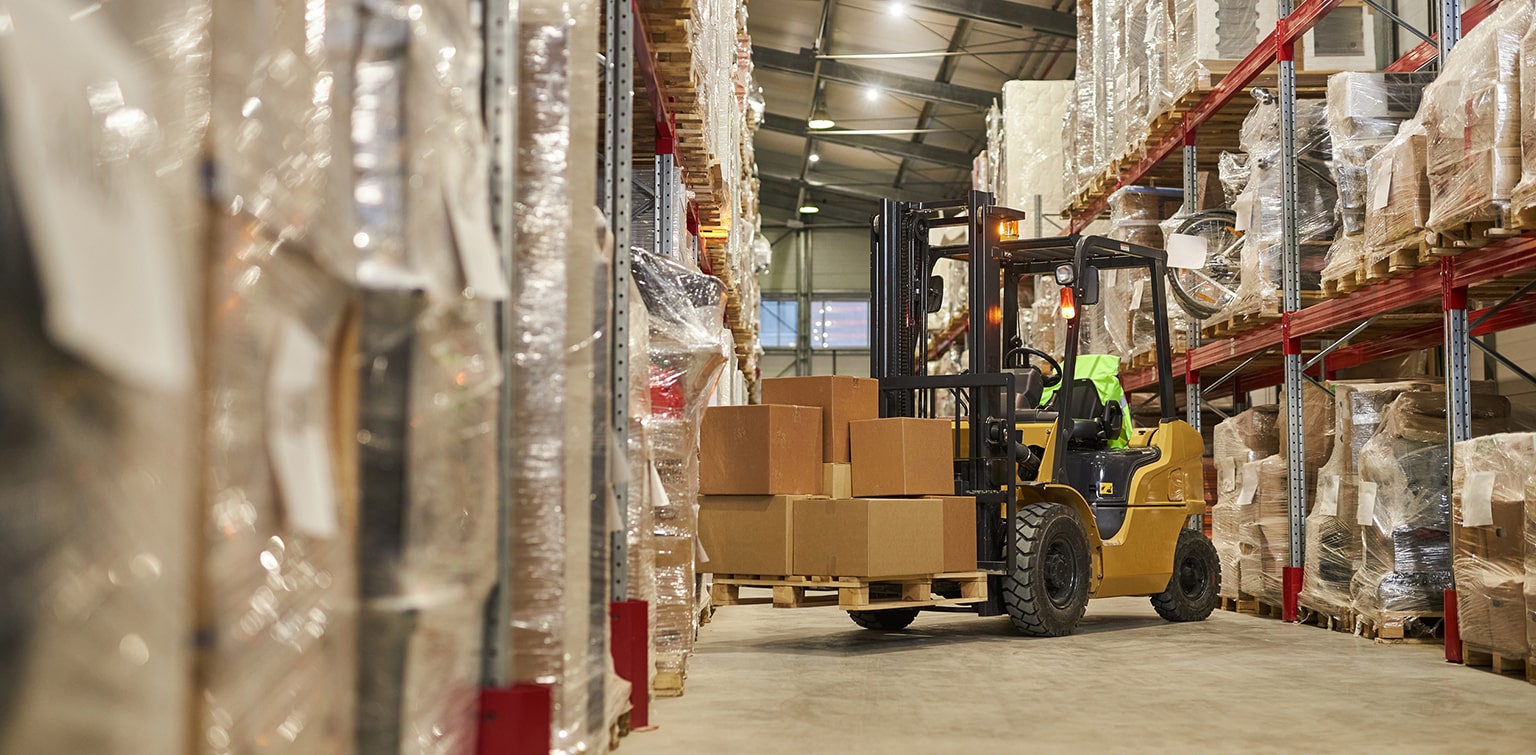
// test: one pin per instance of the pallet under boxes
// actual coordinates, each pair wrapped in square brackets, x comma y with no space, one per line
[854,593]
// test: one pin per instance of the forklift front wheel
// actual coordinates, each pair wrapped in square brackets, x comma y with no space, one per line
[1192,592]
[889,620]
[1048,590]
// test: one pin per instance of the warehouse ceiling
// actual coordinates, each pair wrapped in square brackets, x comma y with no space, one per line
[920,74]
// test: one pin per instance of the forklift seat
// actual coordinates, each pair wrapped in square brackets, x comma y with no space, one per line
[1094,423]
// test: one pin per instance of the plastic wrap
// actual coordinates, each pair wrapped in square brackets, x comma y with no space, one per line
[1332,547]
[1125,295]
[1364,111]
[1403,505]
[640,559]
[1523,196]
[1132,79]
[687,349]
[1032,152]
[1245,438]
[1268,530]
[98,452]
[1397,190]
[1160,46]
[1471,117]
[1488,508]
[1530,561]
[1260,208]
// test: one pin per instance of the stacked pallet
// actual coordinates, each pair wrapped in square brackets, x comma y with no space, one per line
[1494,521]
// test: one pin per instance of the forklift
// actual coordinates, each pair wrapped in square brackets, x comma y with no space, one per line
[1071,502]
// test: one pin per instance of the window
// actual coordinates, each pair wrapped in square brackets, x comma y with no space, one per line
[778,324]
[836,323]
[839,324]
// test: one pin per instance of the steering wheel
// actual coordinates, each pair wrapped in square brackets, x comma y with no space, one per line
[1025,352]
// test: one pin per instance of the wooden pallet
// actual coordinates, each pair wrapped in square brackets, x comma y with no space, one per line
[1392,627]
[850,593]
[1454,241]
[668,684]
[1518,666]
[1144,359]
[1334,619]
[1243,603]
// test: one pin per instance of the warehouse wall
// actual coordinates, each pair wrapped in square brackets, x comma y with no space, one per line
[839,260]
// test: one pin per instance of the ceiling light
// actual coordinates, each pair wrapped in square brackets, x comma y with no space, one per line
[819,120]
[809,209]
[898,9]
[815,158]
[872,94]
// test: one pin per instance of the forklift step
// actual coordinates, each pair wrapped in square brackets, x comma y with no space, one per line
[850,593]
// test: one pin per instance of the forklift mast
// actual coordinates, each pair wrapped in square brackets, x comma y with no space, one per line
[903,291]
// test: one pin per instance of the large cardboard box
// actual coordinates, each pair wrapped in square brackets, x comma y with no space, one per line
[868,537]
[842,400]
[959,532]
[902,456]
[749,534]
[763,449]
[837,480]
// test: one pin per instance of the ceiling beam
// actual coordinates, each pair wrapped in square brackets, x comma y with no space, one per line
[950,158]
[1007,13]
[945,75]
[804,63]
[787,199]
[868,195]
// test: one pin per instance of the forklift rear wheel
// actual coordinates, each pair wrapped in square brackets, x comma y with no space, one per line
[889,620]
[1192,589]
[1048,590]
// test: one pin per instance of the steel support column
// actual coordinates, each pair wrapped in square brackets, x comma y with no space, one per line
[1192,397]
[1290,287]
[618,165]
[500,77]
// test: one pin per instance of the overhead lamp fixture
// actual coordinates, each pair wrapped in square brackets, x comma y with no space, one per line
[809,209]
[872,94]
[819,120]
[815,158]
[898,9]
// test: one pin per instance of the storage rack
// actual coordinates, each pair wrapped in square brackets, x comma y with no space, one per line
[1353,328]
[515,719]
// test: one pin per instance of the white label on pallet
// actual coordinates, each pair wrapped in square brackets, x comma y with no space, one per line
[1136,290]
[1477,500]
[1186,251]
[1365,513]
[1328,495]
[479,255]
[1381,191]
[298,407]
[1244,208]
[1250,483]
[1226,475]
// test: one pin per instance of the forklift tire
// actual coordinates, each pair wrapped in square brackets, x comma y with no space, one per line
[1192,592]
[889,620]
[1048,590]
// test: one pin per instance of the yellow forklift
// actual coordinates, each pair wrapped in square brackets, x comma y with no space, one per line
[1072,503]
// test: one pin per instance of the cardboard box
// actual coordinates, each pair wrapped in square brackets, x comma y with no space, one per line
[868,537]
[842,400]
[903,456]
[837,480]
[763,449]
[959,532]
[747,534]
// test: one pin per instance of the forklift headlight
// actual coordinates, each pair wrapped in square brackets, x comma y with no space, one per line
[1065,275]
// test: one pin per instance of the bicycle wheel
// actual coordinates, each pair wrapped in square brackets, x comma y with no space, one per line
[1206,291]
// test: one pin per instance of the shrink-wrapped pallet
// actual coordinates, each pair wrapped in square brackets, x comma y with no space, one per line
[1403,506]
[687,350]
[1265,531]
[1530,561]
[1364,110]
[1246,438]
[1471,117]
[1109,68]
[640,558]
[1523,196]
[1135,214]
[1032,154]
[1260,207]
[99,454]
[1397,192]
[1488,516]
[1085,124]
[1332,546]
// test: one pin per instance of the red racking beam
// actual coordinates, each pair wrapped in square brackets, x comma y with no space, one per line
[1419,56]
[645,61]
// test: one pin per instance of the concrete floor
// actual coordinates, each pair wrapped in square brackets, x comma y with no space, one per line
[808,681]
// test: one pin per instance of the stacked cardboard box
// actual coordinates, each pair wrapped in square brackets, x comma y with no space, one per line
[1239,444]
[1489,515]
[780,481]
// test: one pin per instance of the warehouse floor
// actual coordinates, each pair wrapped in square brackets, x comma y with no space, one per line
[808,681]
